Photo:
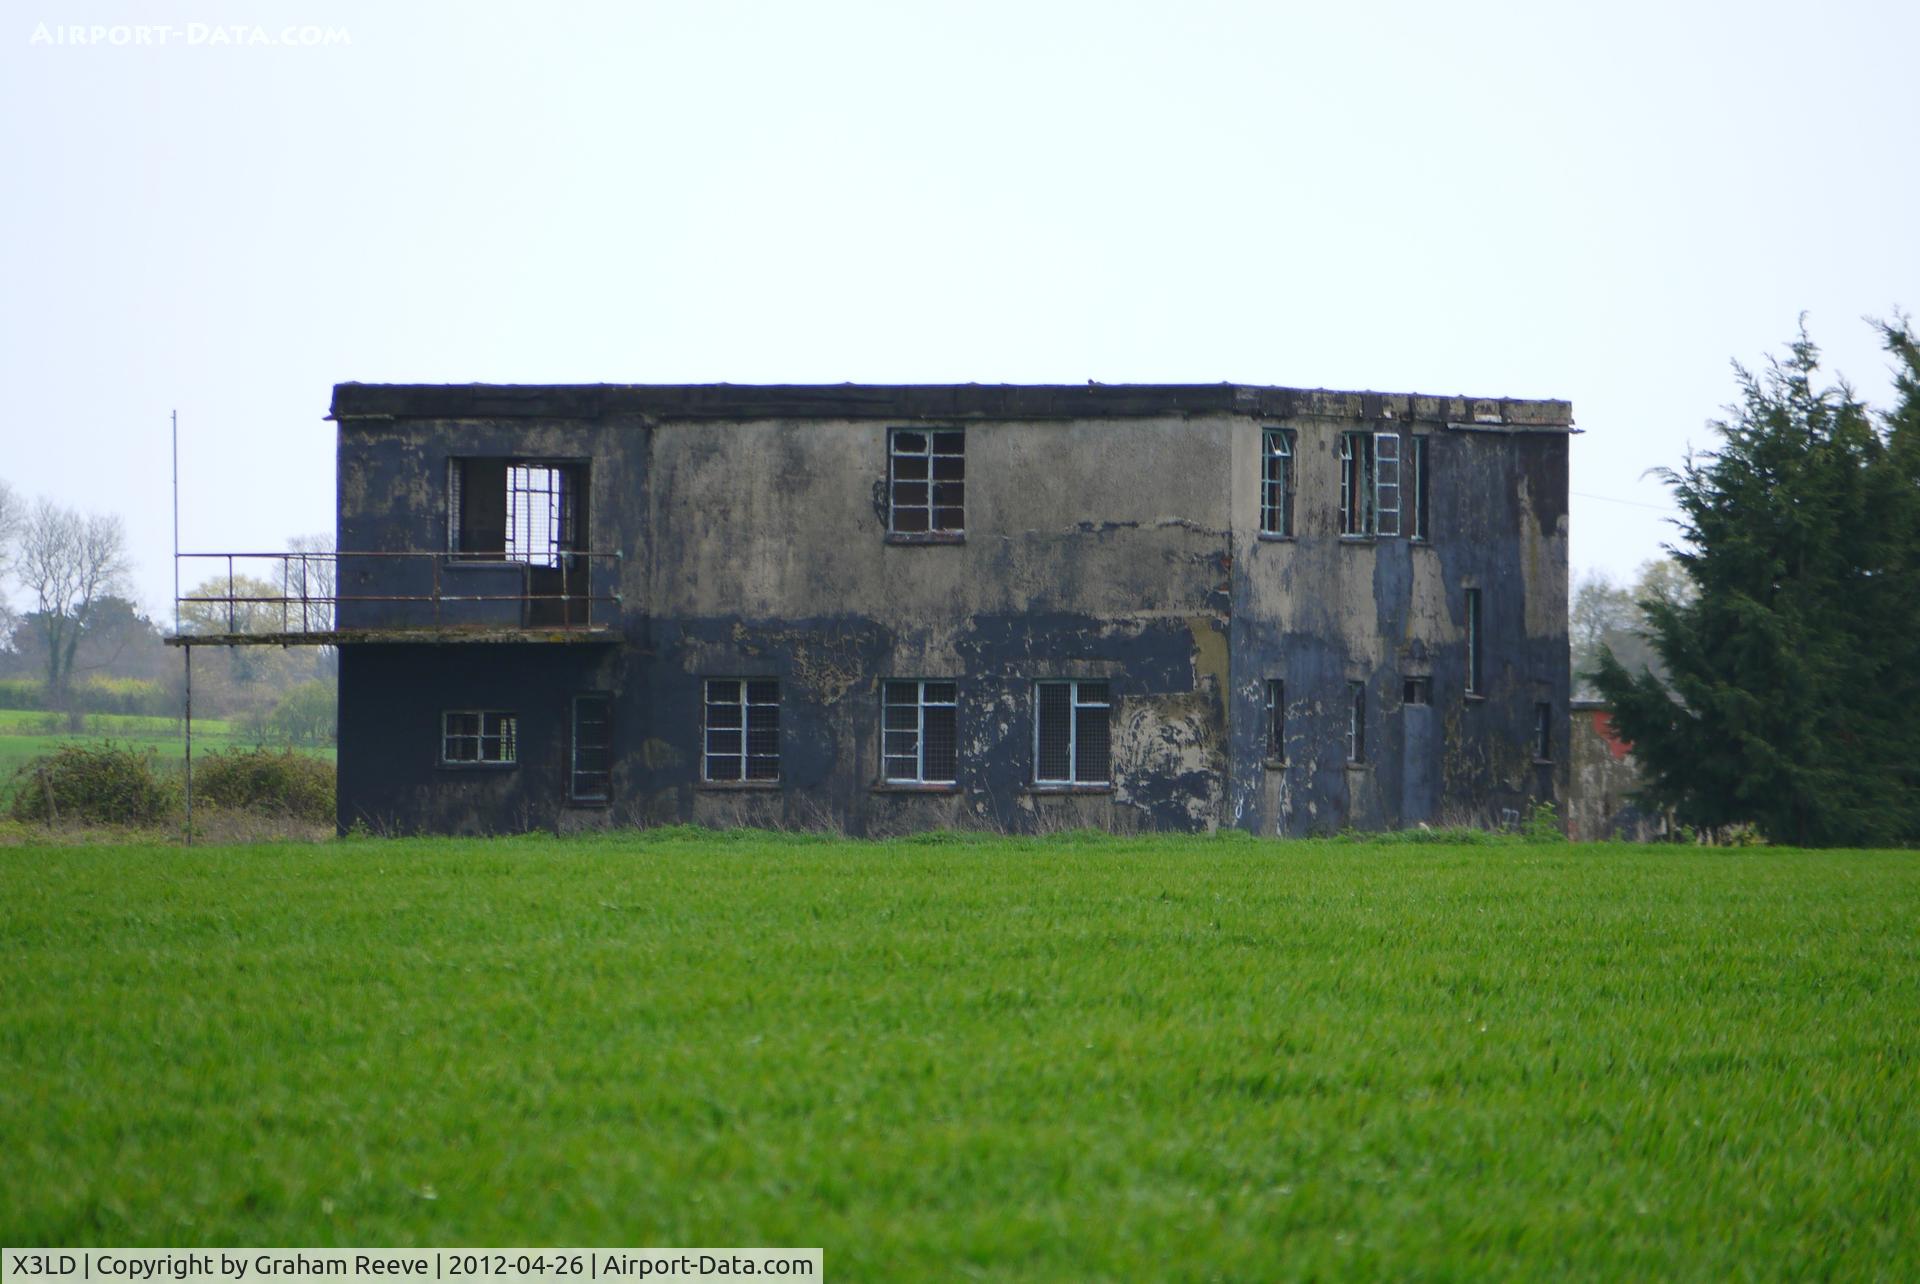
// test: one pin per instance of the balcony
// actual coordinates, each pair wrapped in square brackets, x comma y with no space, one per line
[344,598]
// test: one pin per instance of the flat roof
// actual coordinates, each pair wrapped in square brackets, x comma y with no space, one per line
[945,401]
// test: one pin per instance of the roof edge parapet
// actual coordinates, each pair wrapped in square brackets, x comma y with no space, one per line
[954,401]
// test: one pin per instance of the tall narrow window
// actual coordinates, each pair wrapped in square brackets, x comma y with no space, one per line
[1386,483]
[743,729]
[1276,482]
[1543,732]
[1356,483]
[1418,690]
[1417,464]
[1356,722]
[475,736]
[926,482]
[1276,720]
[1475,675]
[590,770]
[920,733]
[1071,745]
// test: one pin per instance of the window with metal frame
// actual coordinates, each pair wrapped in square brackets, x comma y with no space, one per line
[1370,483]
[1475,673]
[513,510]
[589,774]
[1276,720]
[1543,732]
[742,730]
[1071,741]
[479,737]
[1276,482]
[1418,487]
[1386,483]
[926,481]
[1356,722]
[919,733]
[1356,483]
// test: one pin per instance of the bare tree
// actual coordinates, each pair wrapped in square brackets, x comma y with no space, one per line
[11,516]
[311,577]
[68,562]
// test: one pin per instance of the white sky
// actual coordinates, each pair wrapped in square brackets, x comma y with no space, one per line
[1605,203]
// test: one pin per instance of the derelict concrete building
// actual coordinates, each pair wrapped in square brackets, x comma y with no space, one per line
[894,608]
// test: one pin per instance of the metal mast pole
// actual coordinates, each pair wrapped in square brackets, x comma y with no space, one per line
[185,651]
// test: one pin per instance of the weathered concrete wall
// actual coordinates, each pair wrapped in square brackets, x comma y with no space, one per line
[1122,548]
[1318,611]
[1604,779]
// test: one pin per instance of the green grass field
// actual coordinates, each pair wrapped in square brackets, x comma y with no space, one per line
[25,735]
[1067,1058]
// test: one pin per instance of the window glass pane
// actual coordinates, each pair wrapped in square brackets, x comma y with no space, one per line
[723,692]
[942,747]
[942,693]
[909,494]
[763,692]
[901,692]
[909,468]
[1090,751]
[949,519]
[1090,692]
[949,443]
[908,442]
[949,468]
[1055,729]
[910,520]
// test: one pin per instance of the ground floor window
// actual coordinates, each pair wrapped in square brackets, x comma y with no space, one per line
[743,729]
[1276,720]
[1071,738]
[1543,732]
[1356,722]
[920,733]
[589,775]
[479,736]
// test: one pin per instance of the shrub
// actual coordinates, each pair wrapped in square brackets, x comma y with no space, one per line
[304,715]
[100,784]
[269,782]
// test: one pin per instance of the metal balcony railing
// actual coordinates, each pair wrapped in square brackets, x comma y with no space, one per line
[321,595]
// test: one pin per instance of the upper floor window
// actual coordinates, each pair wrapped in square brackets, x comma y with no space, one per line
[920,733]
[1417,486]
[1071,743]
[743,730]
[514,510]
[479,736]
[1369,483]
[1276,481]
[926,482]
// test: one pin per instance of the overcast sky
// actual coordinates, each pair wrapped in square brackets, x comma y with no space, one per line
[1605,203]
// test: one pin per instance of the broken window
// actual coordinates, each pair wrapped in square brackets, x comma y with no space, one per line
[1417,486]
[1356,722]
[1543,732]
[926,482]
[1276,720]
[1474,675]
[590,772]
[479,736]
[920,732]
[1370,483]
[743,729]
[1070,733]
[514,510]
[1417,691]
[1276,482]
